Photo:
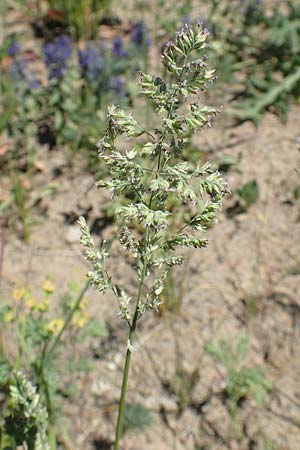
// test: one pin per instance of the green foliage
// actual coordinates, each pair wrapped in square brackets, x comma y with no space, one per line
[136,417]
[227,162]
[242,381]
[82,16]
[37,336]
[26,419]
[19,118]
[296,193]
[168,18]
[68,110]
[248,193]
[94,329]
[268,443]
[81,365]
[5,369]
[270,64]
[183,386]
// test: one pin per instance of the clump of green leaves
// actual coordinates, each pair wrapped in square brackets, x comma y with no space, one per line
[26,419]
[38,336]
[270,65]
[241,381]
[137,417]
[248,193]
[83,16]
[148,175]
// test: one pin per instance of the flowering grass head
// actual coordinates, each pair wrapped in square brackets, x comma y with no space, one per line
[157,171]
[148,171]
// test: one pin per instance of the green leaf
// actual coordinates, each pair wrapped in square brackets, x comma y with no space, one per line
[58,120]
[296,193]
[4,371]
[94,329]
[242,347]
[69,105]
[136,417]
[249,193]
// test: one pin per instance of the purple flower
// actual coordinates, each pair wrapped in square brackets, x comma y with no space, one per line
[17,69]
[91,61]
[186,20]
[118,48]
[86,56]
[13,49]
[20,73]
[34,82]
[116,84]
[56,55]
[139,35]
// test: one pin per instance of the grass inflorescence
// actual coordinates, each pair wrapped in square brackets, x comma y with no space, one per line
[148,175]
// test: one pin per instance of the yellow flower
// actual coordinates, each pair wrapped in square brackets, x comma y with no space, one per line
[80,320]
[43,306]
[48,287]
[18,294]
[55,325]
[9,316]
[83,304]
[31,303]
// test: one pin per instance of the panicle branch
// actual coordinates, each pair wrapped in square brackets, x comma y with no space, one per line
[153,174]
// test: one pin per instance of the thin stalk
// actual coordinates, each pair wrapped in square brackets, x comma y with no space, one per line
[52,436]
[43,385]
[132,329]
[69,318]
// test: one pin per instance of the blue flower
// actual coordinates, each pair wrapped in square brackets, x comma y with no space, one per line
[19,73]
[17,69]
[86,56]
[118,48]
[186,20]
[13,49]
[33,82]
[139,35]
[92,62]
[116,84]
[56,55]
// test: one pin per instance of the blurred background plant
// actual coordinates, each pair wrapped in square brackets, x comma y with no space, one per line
[24,418]
[36,329]
[90,58]
[264,72]
[82,17]
[242,381]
